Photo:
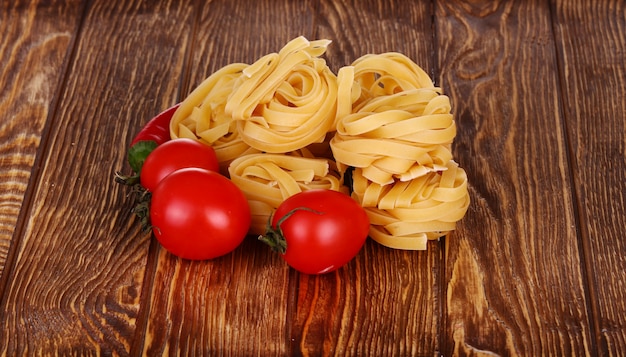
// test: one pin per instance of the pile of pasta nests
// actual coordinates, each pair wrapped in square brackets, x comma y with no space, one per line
[287,123]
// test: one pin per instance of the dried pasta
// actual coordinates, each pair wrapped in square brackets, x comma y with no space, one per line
[396,129]
[388,73]
[287,100]
[268,179]
[405,215]
[399,136]
[201,116]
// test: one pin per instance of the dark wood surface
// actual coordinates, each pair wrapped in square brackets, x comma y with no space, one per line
[536,267]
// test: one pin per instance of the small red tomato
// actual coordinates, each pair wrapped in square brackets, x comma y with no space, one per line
[199,214]
[174,155]
[318,231]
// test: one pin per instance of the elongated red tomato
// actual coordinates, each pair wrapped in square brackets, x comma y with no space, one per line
[318,231]
[199,214]
[158,128]
[174,155]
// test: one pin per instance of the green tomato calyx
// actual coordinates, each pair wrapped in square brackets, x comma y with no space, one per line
[136,156]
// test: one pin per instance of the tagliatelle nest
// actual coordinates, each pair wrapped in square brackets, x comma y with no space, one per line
[268,179]
[287,100]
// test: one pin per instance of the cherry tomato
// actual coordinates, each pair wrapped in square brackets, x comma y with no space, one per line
[199,214]
[318,231]
[157,129]
[174,155]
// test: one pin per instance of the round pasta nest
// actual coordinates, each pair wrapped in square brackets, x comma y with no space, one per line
[268,179]
[397,131]
[287,100]
[399,136]
[406,214]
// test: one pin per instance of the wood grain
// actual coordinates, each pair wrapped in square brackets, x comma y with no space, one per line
[535,268]
[77,279]
[236,304]
[516,282]
[234,32]
[591,38]
[384,303]
[376,26]
[33,47]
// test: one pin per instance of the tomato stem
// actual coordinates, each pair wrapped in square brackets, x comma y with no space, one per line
[127,180]
[274,237]
[141,208]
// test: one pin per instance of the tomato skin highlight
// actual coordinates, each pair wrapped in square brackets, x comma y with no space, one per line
[157,129]
[326,230]
[175,155]
[199,214]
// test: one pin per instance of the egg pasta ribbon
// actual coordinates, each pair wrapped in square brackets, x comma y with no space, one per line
[201,116]
[287,100]
[268,179]
[388,73]
[399,136]
[405,215]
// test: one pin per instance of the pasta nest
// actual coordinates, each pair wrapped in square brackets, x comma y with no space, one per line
[287,100]
[268,179]
[396,131]
[406,214]
[399,125]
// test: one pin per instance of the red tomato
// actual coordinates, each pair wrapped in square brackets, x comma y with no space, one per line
[322,229]
[174,155]
[199,214]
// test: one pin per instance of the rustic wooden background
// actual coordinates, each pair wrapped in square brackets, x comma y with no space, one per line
[537,266]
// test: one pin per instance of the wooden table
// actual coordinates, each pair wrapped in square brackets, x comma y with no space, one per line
[536,267]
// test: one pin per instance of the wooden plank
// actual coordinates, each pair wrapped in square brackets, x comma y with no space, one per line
[591,38]
[516,282]
[243,32]
[78,276]
[358,28]
[33,46]
[232,304]
[385,302]
[238,304]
